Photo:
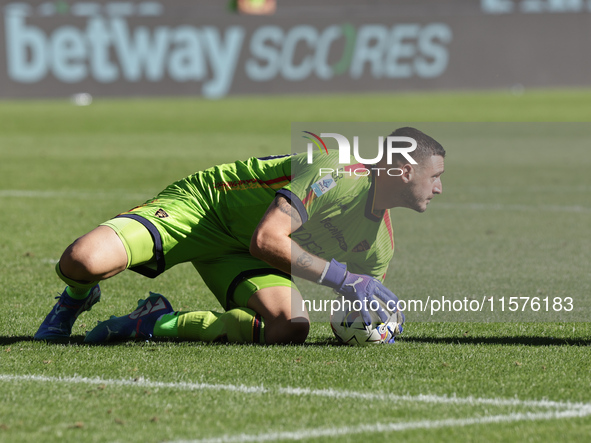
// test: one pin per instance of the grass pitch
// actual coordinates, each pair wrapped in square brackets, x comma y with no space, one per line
[513,221]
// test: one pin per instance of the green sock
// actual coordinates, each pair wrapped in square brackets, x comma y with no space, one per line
[239,325]
[78,293]
[167,325]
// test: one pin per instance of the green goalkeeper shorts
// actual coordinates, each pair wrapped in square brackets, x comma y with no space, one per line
[155,244]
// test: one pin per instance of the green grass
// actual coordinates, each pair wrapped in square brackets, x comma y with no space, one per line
[513,221]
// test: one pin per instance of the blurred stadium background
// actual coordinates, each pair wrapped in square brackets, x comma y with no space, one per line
[218,48]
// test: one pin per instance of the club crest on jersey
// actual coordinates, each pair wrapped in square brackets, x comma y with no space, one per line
[323,185]
[161,213]
[362,246]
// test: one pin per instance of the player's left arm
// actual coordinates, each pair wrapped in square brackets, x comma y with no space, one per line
[271,242]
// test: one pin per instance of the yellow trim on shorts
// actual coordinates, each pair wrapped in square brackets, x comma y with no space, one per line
[249,286]
[136,239]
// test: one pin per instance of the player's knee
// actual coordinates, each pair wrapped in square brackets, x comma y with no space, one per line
[86,262]
[288,331]
[78,263]
[299,330]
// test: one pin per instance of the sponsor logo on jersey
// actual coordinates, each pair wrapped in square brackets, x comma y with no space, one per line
[336,233]
[305,240]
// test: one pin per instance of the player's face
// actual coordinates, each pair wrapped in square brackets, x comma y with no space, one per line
[425,183]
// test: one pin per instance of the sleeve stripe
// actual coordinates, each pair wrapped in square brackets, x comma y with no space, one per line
[296,202]
[388,223]
[355,166]
[308,198]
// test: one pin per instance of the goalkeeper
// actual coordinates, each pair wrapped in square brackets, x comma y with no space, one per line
[247,227]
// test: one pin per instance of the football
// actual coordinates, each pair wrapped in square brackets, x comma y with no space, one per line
[348,327]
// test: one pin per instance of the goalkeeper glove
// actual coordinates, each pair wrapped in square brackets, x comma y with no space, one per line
[360,287]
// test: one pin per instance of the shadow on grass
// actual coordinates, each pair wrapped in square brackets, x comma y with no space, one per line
[74,340]
[513,340]
[79,340]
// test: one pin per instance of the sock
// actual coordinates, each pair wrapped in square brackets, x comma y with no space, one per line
[167,325]
[77,293]
[241,325]
[75,289]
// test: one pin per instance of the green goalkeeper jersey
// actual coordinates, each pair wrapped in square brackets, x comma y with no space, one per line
[221,207]
[336,203]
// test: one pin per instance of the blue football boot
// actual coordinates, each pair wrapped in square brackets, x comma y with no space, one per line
[58,323]
[137,325]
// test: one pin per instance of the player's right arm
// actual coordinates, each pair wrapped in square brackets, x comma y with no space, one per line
[271,242]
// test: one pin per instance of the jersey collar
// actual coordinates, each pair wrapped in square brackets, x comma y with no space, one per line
[371,212]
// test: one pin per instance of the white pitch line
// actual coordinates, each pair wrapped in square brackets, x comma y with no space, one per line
[562,410]
[304,434]
[422,398]
[142,383]
[329,393]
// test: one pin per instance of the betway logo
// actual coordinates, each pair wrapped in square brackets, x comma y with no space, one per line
[108,50]
[72,55]
[344,147]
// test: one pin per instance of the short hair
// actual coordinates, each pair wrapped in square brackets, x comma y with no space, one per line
[426,146]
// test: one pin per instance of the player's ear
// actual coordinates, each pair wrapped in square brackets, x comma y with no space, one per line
[407,172]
